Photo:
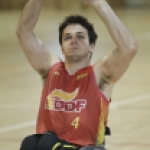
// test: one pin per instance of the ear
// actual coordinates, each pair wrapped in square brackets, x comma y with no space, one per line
[91,49]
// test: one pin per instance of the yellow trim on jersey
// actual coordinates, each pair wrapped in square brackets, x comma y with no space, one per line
[101,127]
[101,132]
[56,145]
[69,146]
[64,145]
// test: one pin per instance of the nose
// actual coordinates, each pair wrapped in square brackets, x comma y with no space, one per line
[73,40]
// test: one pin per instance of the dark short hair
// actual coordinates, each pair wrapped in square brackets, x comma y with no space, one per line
[77,19]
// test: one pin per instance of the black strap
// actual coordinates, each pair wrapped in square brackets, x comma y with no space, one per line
[107,131]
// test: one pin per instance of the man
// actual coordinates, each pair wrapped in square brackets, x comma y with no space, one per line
[76,95]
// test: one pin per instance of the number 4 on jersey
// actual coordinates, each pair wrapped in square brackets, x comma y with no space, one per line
[75,122]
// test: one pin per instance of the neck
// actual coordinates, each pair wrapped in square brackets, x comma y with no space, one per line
[72,67]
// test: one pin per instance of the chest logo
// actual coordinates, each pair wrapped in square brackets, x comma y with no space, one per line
[80,76]
[56,73]
[59,100]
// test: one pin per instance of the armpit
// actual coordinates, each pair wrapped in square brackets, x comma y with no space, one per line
[104,81]
[43,73]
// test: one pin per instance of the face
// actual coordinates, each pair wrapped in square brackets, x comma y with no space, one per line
[75,43]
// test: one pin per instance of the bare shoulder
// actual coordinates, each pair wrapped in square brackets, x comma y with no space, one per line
[43,71]
[55,59]
[37,53]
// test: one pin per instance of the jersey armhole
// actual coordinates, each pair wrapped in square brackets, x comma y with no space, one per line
[96,86]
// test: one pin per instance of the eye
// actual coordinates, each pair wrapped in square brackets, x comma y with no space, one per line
[80,37]
[67,38]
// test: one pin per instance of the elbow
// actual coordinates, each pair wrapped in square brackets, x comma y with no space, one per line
[18,33]
[130,50]
[21,33]
[133,48]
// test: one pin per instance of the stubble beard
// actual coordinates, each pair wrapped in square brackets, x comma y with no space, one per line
[76,58]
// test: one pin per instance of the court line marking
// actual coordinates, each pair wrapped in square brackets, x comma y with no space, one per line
[24,106]
[112,106]
[17,126]
[129,100]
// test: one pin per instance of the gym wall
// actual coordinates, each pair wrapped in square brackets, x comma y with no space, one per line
[56,4]
[70,4]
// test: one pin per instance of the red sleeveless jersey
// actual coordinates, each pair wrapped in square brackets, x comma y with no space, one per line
[73,107]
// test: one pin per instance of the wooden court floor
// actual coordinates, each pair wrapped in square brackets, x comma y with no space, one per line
[20,86]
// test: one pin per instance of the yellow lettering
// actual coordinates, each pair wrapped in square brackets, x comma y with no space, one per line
[75,122]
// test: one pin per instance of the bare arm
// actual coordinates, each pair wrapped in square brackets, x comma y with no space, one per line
[114,65]
[37,54]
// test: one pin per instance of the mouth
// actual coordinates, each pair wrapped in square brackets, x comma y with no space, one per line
[74,48]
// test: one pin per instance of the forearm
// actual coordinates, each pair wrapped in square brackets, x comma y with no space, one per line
[29,16]
[117,29]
